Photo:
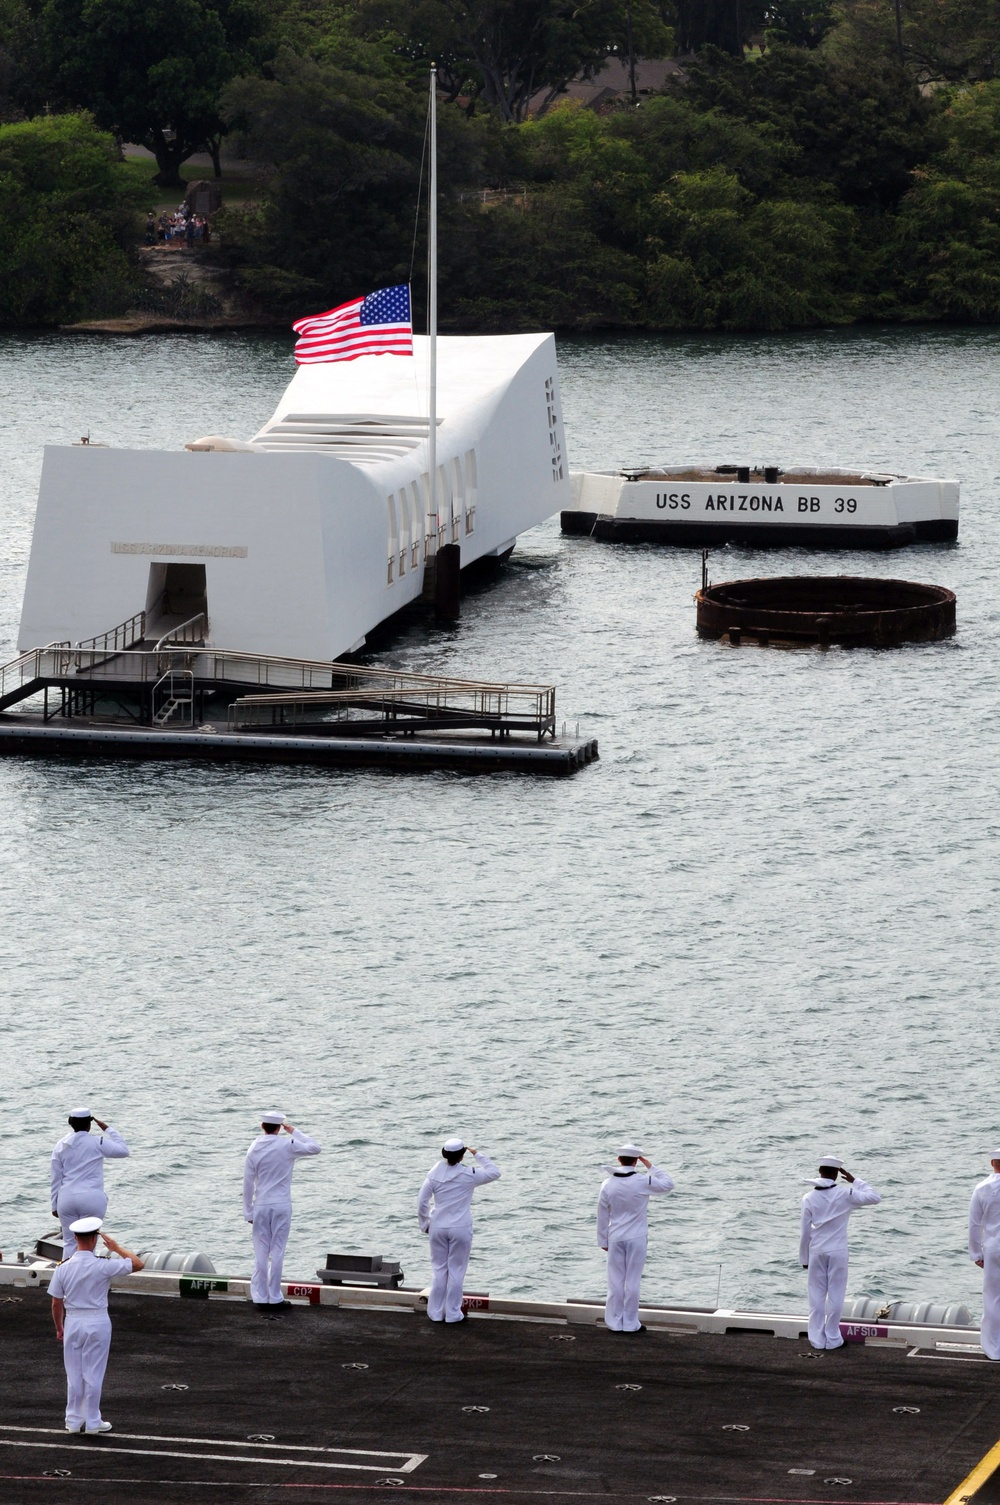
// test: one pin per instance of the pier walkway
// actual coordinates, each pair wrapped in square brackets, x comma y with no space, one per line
[122,693]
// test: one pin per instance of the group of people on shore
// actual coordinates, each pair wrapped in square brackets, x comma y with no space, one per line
[183,227]
[79,1287]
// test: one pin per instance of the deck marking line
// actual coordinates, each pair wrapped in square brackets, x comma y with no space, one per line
[947,1358]
[975,1480]
[76,1447]
[414,1459]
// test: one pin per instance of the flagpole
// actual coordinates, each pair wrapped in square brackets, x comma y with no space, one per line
[432,308]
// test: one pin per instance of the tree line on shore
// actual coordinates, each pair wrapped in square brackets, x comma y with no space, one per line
[815,162]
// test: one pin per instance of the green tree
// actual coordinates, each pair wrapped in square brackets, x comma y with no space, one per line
[731,262]
[944,254]
[22,64]
[67,217]
[723,24]
[858,127]
[336,215]
[799,23]
[152,73]
[949,41]
[510,52]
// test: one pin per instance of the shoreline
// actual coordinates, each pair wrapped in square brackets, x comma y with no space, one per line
[137,324]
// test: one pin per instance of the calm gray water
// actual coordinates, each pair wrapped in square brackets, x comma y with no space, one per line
[762,927]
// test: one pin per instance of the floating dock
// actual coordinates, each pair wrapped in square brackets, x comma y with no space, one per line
[351,1393]
[393,752]
[119,696]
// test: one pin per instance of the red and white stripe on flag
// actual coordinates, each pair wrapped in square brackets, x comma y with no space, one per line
[380,324]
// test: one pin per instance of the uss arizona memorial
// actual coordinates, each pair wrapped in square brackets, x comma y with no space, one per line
[301,540]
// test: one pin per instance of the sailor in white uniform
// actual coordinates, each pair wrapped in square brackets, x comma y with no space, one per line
[77,1173]
[267,1202]
[984,1250]
[622,1231]
[823,1246]
[444,1210]
[79,1291]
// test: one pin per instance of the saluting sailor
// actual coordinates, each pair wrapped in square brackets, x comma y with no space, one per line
[823,1246]
[984,1250]
[79,1291]
[267,1202]
[444,1210]
[622,1231]
[77,1174]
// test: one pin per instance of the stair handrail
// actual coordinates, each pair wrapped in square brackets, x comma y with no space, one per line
[132,630]
[35,654]
[174,634]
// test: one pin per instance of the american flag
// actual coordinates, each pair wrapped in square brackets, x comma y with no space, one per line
[380,324]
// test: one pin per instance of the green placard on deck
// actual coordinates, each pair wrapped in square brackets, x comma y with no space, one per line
[197,1290]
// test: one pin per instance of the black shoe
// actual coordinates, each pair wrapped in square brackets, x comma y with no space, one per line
[278,1306]
[262,1306]
[631,1331]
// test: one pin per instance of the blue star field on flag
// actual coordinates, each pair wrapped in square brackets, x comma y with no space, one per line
[390,305]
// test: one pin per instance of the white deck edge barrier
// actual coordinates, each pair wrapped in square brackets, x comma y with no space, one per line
[678,1320]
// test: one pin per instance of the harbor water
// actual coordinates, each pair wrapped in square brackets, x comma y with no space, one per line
[761,928]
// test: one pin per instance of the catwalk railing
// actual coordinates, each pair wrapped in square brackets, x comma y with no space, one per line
[454,704]
[392,694]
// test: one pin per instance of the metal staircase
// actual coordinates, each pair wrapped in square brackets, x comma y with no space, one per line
[173,698]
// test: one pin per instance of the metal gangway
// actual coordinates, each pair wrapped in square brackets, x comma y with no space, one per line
[298,691]
[441,705]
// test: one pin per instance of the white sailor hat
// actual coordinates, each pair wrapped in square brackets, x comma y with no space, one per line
[273,1117]
[834,1163]
[452,1146]
[81,1113]
[86,1225]
[629,1152]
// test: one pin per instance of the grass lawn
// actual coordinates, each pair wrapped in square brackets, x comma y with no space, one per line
[237,185]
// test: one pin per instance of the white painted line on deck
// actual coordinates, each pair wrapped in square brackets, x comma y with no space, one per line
[392,1463]
[948,1358]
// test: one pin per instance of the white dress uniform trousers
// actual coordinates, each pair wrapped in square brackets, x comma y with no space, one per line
[77,1177]
[444,1207]
[82,1283]
[267,1204]
[823,1247]
[984,1244]
[622,1229]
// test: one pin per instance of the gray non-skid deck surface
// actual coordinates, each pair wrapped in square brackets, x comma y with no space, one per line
[285,1376]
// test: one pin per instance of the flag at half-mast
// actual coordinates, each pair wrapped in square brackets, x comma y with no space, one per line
[380,324]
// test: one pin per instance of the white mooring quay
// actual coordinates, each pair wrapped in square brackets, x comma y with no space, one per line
[764,507]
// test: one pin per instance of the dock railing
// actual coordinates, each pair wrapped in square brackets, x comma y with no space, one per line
[394,694]
[455,704]
[24,669]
